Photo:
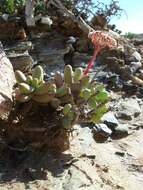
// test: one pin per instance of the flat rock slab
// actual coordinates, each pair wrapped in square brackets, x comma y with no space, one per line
[7,80]
[114,165]
[129,108]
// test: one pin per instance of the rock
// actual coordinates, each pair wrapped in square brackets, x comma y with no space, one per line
[71,40]
[120,131]
[46,20]
[114,82]
[138,40]
[21,61]
[50,53]
[11,30]
[124,116]
[110,120]
[5,17]
[128,109]
[103,130]
[7,81]
[140,74]
[52,61]
[82,45]
[120,153]
[80,59]
[141,92]
[135,66]
[129,88]
[137,56]
[19,47]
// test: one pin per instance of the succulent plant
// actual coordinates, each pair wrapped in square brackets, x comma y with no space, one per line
[28,86]
[38,73]
[67,109]
[78,74]
[85,80]
[20,77]
[58,78]
[62,91]
[72,93]
[68,74]
[69,116]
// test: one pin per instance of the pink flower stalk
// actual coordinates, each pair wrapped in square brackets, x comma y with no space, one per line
[100,40]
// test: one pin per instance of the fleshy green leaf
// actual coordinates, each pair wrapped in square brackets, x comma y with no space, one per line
[92,102]
[96,116]
[101,96]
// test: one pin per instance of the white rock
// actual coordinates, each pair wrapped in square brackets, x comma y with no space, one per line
[137,56]
[5,17]
[46,20]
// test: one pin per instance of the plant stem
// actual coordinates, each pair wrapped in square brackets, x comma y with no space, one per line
[91,61]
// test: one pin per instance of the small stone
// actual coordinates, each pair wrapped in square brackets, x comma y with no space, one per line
[141,91]
[101,133]
[46,20]
[120,131]
[124,116]
[71,40]
[135,66]
[119,153]
[5,17]
[130,88]
[21,61]
[137,56]
[110,120]
[103,130]
[129,108]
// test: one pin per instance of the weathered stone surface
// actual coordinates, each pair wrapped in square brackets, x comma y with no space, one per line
[21,61]
[120,131]
[80,59]
[7,80]
[86,166]
[129,108]
[21,46]
[50,54]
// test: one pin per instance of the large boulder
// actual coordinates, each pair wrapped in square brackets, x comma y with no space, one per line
[7,81]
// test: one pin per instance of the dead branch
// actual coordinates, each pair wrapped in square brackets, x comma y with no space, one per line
[82,24]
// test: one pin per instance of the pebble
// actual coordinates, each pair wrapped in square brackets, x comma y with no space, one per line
[110,120]
[129,108]
[103,130]
[135,66]
[137,56]
[120,131]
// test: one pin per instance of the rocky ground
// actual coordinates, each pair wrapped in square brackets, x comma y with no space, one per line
[106,156]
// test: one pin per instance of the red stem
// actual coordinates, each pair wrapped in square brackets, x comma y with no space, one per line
[91,61]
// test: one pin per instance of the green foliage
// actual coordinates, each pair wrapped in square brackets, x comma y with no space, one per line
[98,113]
[130,35]
[7,6]
[40,7]
[75,94]
[11,6]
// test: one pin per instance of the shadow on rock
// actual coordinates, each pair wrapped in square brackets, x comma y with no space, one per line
[29,166]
